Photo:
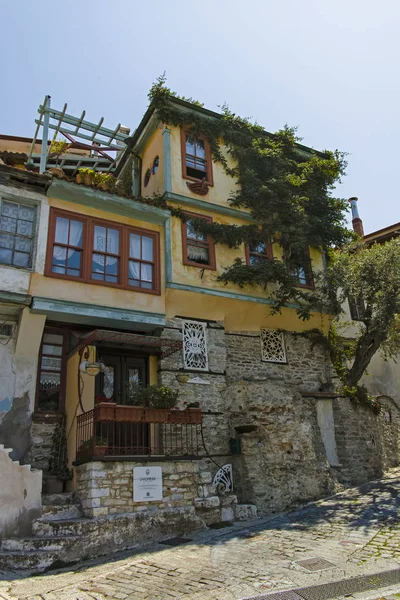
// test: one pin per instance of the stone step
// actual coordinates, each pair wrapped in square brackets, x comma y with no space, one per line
[33,544]
[27,561]
[57,499]
[61,512]
[45,527]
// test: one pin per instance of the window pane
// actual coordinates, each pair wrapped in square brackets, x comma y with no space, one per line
[113,241]
[147,273]
[50,349]
[9,209]
[27,213]
[200,150]
[22,244]
[134,246]
[5,256]
[147,248]
[100,237]
[21,259]
[25,227]
[75,233]
[112,265]
[8,224]
[53,338]
[51,364]
[98,263]
[74,259]
[190,145]
[6,241]
[190,162]
[108,381]
[134,270]
[190,230]
[59,255]
[260,248]
[61,230]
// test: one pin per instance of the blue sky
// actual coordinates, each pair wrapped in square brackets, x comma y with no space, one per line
[329,68]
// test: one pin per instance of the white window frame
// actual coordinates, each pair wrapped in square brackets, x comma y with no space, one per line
[200,327]
[279,358]
[36,204]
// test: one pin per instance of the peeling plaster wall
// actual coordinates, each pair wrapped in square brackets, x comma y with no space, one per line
[18,370]
[20,497]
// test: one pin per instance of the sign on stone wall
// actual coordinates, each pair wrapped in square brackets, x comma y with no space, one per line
[147,484]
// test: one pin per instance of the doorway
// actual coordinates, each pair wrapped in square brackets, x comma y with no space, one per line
[114,384]
[120,372]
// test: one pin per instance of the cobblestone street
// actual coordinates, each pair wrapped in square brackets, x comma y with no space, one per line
[356,532]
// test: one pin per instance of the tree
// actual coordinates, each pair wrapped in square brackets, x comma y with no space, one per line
[368,275]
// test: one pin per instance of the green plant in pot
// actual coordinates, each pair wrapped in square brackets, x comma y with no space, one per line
[86,176]
[152,396]
[58,147]
[104,181]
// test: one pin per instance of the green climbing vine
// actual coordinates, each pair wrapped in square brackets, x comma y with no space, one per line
[284,186]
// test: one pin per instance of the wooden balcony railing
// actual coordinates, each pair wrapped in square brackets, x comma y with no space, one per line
[115,431]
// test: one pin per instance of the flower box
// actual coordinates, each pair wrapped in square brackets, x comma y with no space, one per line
[156,415]
[129,414]
[191,416]
[105,411]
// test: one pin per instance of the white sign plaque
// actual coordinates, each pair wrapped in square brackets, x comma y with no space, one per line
[147,484]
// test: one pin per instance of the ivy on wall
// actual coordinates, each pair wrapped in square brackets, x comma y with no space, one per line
[284,186]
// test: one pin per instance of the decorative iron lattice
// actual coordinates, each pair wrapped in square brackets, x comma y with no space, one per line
[223,480]
[272,346]
[194,345]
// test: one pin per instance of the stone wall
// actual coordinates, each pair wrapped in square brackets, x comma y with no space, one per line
[40,452]
[367,444]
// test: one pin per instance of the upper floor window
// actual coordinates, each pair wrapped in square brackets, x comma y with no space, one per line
[258,251]
[86,249]
[301,268]
[357,308]
[272,346]
[198,249]
[196,158]
[17,230]
[51,371]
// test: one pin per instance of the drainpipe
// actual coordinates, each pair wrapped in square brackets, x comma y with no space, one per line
[357,222]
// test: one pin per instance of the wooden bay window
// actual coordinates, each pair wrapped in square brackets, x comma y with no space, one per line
[82,248]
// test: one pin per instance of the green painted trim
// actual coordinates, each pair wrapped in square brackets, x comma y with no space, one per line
[78,312]
[15,298]
[222,294]
[72,192]
[168,251]
[203,205]
[166,134]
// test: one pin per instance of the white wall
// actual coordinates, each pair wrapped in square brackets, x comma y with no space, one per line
[20,496]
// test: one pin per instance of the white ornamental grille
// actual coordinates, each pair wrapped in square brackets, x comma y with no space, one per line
[273,346]
[194,346]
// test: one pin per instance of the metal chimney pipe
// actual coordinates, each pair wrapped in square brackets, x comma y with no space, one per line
[357,222]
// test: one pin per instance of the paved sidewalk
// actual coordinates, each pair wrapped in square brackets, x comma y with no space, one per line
[356,532]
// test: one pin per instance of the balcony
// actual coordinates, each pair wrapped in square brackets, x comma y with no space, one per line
[114,432]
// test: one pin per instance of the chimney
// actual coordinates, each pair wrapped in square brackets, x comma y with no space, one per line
[357,222]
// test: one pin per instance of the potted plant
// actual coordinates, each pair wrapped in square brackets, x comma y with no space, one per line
[94,446]
[156,400]
[104,181]
[58,147]
[86,176]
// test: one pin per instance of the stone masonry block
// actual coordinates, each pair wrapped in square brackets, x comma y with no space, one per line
[211,502]
[98,493]
[228,500]
[244,512]
[227,514]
